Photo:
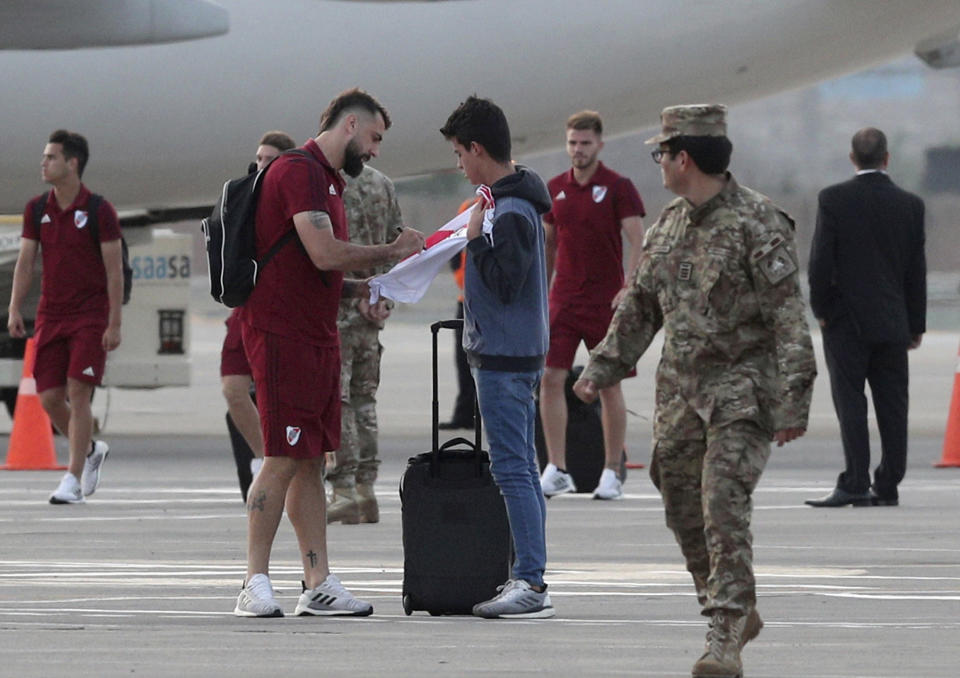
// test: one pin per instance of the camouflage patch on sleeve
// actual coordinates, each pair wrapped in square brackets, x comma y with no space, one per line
[774,260]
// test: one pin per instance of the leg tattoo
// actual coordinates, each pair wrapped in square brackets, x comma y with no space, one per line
[257,503]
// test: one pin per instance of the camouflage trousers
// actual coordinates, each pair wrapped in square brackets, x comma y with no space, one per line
[357,459]
[706,487]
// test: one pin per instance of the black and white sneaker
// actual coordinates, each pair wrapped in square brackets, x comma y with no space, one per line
[331,598]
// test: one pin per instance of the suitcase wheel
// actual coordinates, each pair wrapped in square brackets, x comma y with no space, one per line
[407,607]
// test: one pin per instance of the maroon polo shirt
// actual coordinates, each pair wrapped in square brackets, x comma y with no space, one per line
[74,279]
[588,268]
[292,298]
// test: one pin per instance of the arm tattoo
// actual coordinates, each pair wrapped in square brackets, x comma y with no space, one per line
[312,557]
[320,220]
[257,503]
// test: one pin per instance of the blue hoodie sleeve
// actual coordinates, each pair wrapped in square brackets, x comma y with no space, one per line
[504,266]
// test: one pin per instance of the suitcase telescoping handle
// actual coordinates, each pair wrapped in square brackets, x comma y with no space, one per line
[477,440]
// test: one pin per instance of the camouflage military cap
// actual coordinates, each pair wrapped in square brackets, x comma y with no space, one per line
[696,120]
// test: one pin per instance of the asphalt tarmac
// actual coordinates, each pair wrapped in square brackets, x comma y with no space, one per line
[142,579]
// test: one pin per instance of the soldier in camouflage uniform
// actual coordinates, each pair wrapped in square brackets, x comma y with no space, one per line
[373,216]
[719,274]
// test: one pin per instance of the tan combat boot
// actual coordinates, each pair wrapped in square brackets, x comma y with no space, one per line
[344,506]
[369,510]
[722,656]
[751,626]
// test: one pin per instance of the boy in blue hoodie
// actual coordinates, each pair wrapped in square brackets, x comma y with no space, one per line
[506,337]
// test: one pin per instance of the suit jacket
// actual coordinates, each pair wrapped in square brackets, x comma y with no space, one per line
[867,261]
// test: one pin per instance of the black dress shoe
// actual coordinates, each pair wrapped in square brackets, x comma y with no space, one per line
[453,425]
[839,498]
[882,500]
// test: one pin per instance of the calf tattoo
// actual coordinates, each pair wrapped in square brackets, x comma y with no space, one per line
[312,557]
[257,503]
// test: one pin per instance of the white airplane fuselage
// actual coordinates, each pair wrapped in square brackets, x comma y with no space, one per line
[168,123]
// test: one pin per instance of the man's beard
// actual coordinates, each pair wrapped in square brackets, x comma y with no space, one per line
[353,159]
[584,161]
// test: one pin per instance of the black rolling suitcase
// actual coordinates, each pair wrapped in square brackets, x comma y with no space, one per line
[457,546]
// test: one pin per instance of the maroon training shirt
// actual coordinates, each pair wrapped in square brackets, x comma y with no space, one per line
[588,268]
[74,278]
[291,297]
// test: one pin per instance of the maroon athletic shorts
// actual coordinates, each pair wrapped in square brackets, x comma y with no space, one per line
[569,325]
[298,394]
[69,348]
[233,359]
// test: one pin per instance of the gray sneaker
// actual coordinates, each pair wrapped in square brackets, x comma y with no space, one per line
[516,600]
[331,598]
[90,478]
[256,599]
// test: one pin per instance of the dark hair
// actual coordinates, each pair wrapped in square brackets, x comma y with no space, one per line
[279,140]
[74,146]
[869,148]
[590,120]
[710,154]
[352,98]
[482,121]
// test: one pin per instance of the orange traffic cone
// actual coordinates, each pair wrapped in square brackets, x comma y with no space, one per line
[951,440]
[31,440]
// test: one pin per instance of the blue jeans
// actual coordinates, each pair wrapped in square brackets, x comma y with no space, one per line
[508,412]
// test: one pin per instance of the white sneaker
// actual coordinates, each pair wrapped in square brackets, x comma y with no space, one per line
[255,465]
[90,479]
[331,598]
[609,486]
[68,491]
[554,481]
[516,600]
[256,599]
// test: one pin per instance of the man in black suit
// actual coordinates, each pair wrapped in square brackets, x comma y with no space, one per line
[868,291]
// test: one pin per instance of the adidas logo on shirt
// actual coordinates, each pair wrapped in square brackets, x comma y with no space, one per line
[88,372]
[46,219]
[560,196]
[333,191]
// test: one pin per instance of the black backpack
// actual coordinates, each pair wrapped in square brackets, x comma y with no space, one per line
[93,225]
[230,236]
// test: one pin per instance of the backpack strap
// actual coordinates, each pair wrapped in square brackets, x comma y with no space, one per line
[277,246]
[292,233]
[93,222]
[39,207]
[297,151]
[94,202]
